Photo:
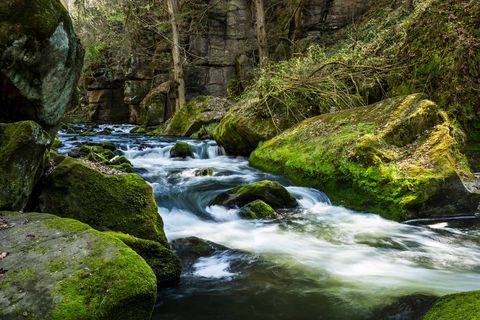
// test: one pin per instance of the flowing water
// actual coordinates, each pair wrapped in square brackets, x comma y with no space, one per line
[319,262]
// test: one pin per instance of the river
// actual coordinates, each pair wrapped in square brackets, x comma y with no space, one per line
[317,262]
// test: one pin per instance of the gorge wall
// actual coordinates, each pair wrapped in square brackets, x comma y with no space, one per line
[219,43]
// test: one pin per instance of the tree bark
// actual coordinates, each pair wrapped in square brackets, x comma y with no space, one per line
[176,53]
[261,33]
[409,5]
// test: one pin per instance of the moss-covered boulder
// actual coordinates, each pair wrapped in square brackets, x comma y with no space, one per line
[41,61]
[62,269]
[465,305]
[181,150]
[271,192]
[197,118]
[158,106]
[103,153]
[22,154]
[257,209]
[400,158]
[164,263]
[122,203]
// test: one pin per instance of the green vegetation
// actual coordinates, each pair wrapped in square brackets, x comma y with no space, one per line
[22,156]
[83,274]
[122,203]
[181,150]
[271,192]
[465,306]
[164,263]
[399,158]
[257,209]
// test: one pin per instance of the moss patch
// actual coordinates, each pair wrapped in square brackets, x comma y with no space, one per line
[164,263]
[396,158]
[78,273]
[464,305]
[122,203]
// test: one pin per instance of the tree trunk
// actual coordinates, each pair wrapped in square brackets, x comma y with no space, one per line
[409,5]
[261,33]
[177,57]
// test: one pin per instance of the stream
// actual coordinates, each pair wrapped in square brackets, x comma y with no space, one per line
[318,262]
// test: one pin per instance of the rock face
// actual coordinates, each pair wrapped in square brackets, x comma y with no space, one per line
[158,106]
[463,305]
[41,61]
[271,192]
[122,203]
[399,158]
[63,269]
[22,156]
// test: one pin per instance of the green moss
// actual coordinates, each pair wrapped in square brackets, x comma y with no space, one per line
[257,210]
[35,17]
[181,150]
[271,192]
[120,203]
[89,292]
[390,158]
[22,155]
[465,306]
[164,263]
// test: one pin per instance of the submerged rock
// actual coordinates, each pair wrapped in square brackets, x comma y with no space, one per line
[465,305]
[204,172]
[257,209]
[122,203]
[164,263]
[192,248]
[63,269]
[271,192]
[22,156]
[41,61]
[399,158]
[411,307]
[181,150]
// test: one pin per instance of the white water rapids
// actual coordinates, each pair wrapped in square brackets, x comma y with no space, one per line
[359,258]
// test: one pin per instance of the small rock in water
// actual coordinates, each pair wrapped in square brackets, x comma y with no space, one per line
[204,172]
[181,150]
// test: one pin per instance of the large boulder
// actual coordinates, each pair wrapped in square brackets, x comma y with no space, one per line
[159,105]
[164,263]
[22,156]
[122,202]
[270,192]
[198,118]
[400,158]
[41,61]
[58,268]
[465,305]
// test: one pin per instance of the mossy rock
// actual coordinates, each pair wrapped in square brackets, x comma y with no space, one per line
[123,203]
[181,150]
[104,153]
[192,248]
[40,87]
[23,147]
[164,263]
[204,172]
[257,209]
[464,306]
[241,130]
[271,192]
[63,269]
[399,158]
[200,112]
